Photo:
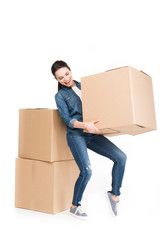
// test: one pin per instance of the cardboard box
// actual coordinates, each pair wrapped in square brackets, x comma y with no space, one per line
[122,99]
[42,135]
[43,186]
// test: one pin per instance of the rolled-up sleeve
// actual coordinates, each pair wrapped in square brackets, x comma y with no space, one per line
[64,112]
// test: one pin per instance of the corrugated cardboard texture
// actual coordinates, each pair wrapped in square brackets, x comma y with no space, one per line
[43,186]
[142,99]
[42,135]
[122,99]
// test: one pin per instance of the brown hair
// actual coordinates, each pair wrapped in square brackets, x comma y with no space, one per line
[57,65]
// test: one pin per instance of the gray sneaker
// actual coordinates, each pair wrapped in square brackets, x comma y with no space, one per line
[113,204]
[78,213]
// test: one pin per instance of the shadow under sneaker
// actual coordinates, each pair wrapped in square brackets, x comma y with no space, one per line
[78,213]
[113,204]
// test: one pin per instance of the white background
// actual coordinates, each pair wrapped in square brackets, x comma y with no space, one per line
[91,36]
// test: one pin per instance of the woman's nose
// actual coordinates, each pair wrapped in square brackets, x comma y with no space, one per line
[66,78]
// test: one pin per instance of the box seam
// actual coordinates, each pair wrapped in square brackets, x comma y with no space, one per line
[53,189]
[131,90]
[51,147]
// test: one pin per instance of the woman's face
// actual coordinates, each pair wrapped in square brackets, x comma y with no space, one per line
[64,77]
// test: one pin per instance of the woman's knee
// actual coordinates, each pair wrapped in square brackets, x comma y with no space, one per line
[123,158]
[86,173]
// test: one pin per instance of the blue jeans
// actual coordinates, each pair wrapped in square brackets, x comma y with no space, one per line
[79,141]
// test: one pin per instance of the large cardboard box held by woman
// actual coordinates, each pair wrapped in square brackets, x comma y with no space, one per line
[122,99]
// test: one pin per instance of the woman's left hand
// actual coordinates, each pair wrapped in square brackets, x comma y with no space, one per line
[90,126]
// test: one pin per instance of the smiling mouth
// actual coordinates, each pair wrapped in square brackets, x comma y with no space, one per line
[67,82]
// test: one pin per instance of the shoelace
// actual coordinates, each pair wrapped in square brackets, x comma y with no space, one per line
[79,209]
[116,207]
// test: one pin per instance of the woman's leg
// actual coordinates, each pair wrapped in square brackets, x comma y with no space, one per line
[105,147]
[78,148]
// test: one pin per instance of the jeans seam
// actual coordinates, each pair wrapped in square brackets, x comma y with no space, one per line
[116,179]
[77,164]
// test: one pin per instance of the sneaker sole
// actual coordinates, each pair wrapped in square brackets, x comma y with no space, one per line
[78,217]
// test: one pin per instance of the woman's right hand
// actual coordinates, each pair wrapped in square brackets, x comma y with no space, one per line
[90,126]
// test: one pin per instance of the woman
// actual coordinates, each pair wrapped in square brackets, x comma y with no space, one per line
[68,100]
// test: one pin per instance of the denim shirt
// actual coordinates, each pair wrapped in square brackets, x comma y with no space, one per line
[69,105]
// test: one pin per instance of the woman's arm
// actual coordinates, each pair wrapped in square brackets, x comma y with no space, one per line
[72,122]
[89,126]
[63,110]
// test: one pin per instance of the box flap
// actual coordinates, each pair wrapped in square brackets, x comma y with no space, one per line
[144,73]
[108,131]
[116,68]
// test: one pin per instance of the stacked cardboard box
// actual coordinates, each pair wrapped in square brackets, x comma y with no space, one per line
[122,99]
[45,170]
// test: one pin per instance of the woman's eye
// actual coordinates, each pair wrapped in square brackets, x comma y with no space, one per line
[67,74]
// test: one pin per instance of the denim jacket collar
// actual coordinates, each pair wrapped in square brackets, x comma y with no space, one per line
[78,84]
